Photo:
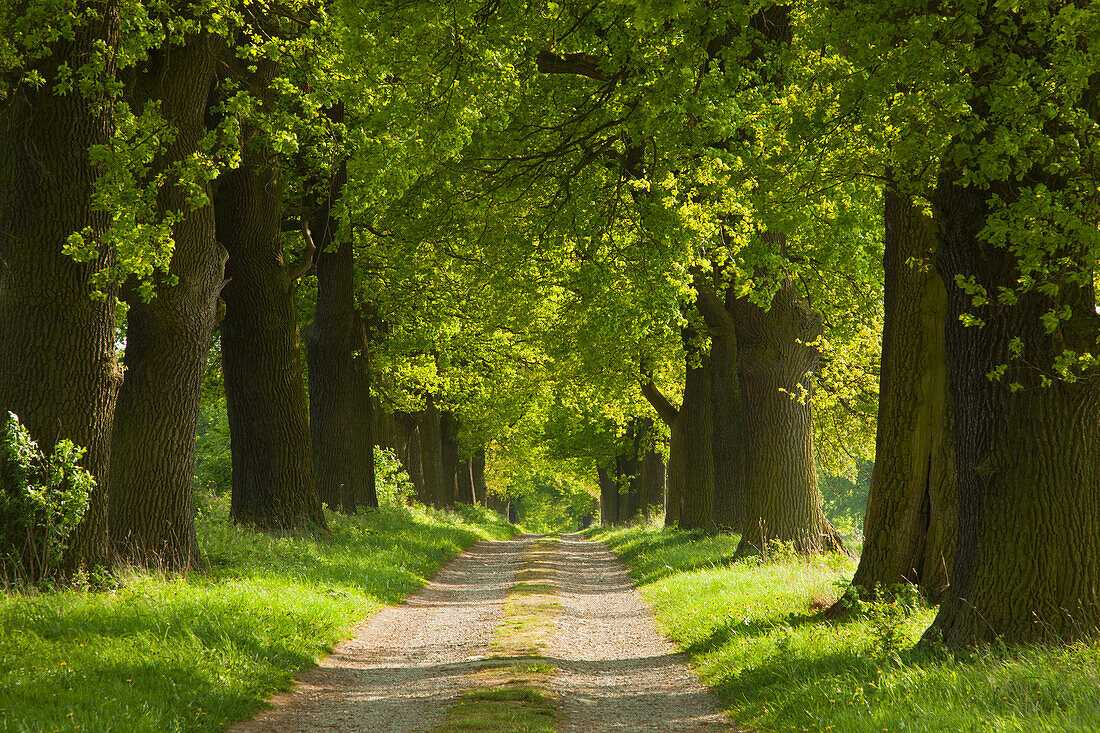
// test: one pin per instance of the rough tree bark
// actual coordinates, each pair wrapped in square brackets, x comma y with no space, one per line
[725,393]
[343,456]
[609,497]
[697,428]
[690,501]
[774,361]
[629,469]
[410,456]
[431,456]
[58,370]
[628,473]
[273,479]
[674,480]
[448,431]
[362,493]
[910,526]
[1028,462]
[167,338]
[465,482]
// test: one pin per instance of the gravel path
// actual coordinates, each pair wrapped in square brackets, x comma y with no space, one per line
[618,672]
[406,666]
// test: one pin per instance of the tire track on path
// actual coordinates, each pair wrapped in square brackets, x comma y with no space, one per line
[617,671]
[406,665]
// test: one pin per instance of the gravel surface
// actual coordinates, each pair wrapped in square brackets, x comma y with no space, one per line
[618,672]
[406,666]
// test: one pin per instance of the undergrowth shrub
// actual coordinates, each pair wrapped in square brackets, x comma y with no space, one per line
[43,499]
[391,480]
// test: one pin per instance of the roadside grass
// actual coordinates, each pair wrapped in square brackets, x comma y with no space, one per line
[509,695]
[751,628]
[194,652]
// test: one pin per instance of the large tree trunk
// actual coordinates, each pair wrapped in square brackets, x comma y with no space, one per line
[448,431]
[273,479]
[775,360]
[628,466]
[411,455]
[910,526]
[674,474]
[697,435]
[651,469]
[725,392]
[363,492]
[466,482]
[609,497]
[477,471]
[629,469]
[431,456]
[58,370]
[343,461]
[1027,561]
[167,339]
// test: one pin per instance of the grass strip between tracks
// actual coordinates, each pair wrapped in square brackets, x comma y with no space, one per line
[511,693]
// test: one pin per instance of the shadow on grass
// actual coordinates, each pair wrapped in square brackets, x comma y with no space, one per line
[653,556]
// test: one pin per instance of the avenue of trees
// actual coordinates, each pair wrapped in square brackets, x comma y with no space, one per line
[689,253]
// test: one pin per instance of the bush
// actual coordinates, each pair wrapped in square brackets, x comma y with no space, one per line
[391,480]
[42,501]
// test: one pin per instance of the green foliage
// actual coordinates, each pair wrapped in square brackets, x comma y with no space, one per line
[391,479]
[846,500]
[198,651]
[213,460]
[549,505]
[755,635]
[44,497]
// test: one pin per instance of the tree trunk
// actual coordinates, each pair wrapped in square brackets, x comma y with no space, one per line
[364,491]
[697,435]
[628,466]
[59,373]
[653,481]
[910,526]
[448,432]
[629,469]
[273,478]
[1028,462]
[477,470]
[674,475]
[775,360]
[609,498]
[411,456]
[167,339]
[466,482]
[431,456]
[725,394]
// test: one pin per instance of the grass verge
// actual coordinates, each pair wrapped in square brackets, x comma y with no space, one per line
[510,694]
[194,652]
[751,629]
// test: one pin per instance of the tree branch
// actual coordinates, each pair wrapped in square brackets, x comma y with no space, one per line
[665,409]
[579,64]
[306,262]
[714,310]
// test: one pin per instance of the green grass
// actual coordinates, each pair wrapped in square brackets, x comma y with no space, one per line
[194,652]
[752,631]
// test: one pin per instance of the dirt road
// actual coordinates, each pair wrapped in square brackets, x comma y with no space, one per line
[407,665]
